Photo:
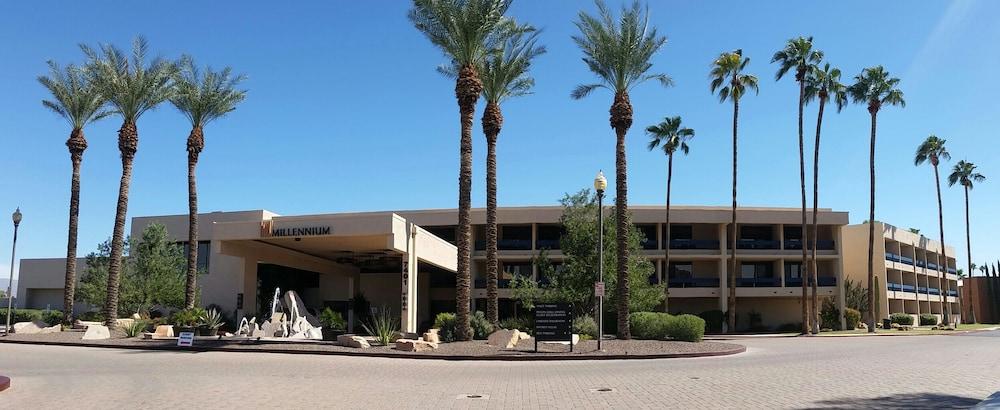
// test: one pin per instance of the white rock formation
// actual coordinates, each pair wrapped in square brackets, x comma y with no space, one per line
[97,332]
[353,341]
[410,345]
[28,328]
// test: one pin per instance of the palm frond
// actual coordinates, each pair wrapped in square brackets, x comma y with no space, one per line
[964,173]
[466,31]
[74,98]
[505,73]
[583,90]
[727,77]
[875,87]
[931,148]
[205,95]
[669,134]
[131,84]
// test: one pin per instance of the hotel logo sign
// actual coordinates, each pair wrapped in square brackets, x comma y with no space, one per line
[268,230]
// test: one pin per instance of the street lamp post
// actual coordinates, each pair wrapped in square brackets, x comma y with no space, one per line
[10,281]
[600,184]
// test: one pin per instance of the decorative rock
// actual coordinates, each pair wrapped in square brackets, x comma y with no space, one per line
[410,345]
[28,328]
[353,341]
[523,335]
[51,329]
[97,332]
[315,333]
[504,337]
[431,337]
[164,331]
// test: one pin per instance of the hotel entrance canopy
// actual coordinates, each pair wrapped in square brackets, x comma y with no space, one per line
[341,244]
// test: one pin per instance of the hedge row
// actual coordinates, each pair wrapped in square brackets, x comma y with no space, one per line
[50,317]
[658,326]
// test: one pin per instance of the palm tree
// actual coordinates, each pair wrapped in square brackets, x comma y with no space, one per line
[933,150]
[671,136]
[504,75]
[467,31]
[799,55]
[731,83]
[964,173]
[618,50]
[875,88]
[202,98]
[822,84]
[80,103]
[132,86]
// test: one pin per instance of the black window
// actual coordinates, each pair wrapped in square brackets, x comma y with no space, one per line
[681,270]
[793,233]
[444,232]
[760,233]
[757,270]
[793,270]
[649,235]
[680,232]
[548,236]
[204,250]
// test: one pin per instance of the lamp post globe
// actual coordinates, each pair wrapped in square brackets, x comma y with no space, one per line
[600,182]
[16,217]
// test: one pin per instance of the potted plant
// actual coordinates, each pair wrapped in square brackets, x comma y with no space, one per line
[333,324]
[186,320]
[211,321]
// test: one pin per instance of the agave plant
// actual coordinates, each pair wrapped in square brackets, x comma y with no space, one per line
[136,328]
[212,319]
[382,324]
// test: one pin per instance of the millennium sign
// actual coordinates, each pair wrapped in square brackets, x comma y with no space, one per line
[267,229]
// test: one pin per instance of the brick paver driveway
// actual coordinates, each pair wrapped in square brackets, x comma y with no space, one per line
[876,372]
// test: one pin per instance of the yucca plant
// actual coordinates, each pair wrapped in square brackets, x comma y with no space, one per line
[383,324]
[212,319]
[136,328]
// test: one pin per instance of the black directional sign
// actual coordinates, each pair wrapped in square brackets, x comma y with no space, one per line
[554,323]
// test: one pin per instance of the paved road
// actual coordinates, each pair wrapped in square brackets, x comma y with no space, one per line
[875,372]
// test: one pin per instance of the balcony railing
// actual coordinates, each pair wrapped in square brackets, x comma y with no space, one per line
[953,293]
[693,244]
[694,282]
[822,245]
[897,287]
[757,244]
[649,243]
[953,271]
[922,264]
[889,256]
[501,283]
[547,244]
[821,281]
[932,266]
[758,282]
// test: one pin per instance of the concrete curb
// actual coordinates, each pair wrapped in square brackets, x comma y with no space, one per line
[884,333]
[554,357]
[4,383]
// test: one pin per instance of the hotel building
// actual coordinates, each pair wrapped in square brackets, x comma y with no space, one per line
[406,259]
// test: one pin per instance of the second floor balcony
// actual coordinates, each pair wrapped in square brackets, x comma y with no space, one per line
[757,244]
[821,245]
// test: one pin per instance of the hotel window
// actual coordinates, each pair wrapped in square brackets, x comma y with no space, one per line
[680,232]
[757,270]
[649,235]
[444,232]
[509,270]
[793,270]
[793,233]
[204,250]
[682,270]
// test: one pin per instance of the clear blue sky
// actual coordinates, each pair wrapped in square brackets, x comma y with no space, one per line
[346,113]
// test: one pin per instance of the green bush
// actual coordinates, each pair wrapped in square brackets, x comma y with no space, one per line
[927,319]
[687,328]
[135,328]
[901,319]
[481,327]
[829,315]
[523,324]
[585,325]
[852,317]
[187,317]
[648,325]
[713,320]
[332,320]
[445,323]
[94,316]
[50,317]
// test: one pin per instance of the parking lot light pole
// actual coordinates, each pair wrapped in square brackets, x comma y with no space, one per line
[600,184]
[10,281]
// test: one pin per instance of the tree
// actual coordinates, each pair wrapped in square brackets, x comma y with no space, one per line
[933,150]
[132,87]
[799,55]
[618,51]
[467,31]
[731,84]
[671,137]
[822,84]
[152,274]
[79,102]
[504,75]
[964,173]
[202,97]
[574,281]
[875,88]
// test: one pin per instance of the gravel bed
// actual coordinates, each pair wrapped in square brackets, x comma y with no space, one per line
[477,349]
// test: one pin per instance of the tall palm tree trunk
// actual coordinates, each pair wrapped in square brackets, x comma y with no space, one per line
[467,90]
[871,226]
[621,120]
[128,144]
[942,257]
[815,222]
[735,232]
[968,253]
[492,121]
[76,144]
[802,183]
[666,238]
[195,143]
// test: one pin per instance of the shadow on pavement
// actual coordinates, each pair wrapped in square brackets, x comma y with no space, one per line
[901,401]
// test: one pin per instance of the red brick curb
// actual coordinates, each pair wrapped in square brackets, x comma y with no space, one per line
[4,383]
[555,357]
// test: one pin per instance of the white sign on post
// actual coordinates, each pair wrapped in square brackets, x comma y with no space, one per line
[599,289]
[186,339]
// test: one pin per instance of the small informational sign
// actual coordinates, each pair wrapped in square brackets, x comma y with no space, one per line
[185,339]
[554,323]
[599,289]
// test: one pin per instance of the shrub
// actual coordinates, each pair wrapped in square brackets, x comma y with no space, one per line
[135,329]
[212,319]
[585,325]
[50,317]
[523,324]
[648,325]
[713,320]
[445,323]
[829,315]
[382,324]
[187,317]
[687,328]
[852,317]
[332,320]
[927,319]
[901,319]
[91,317]
[481,327]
